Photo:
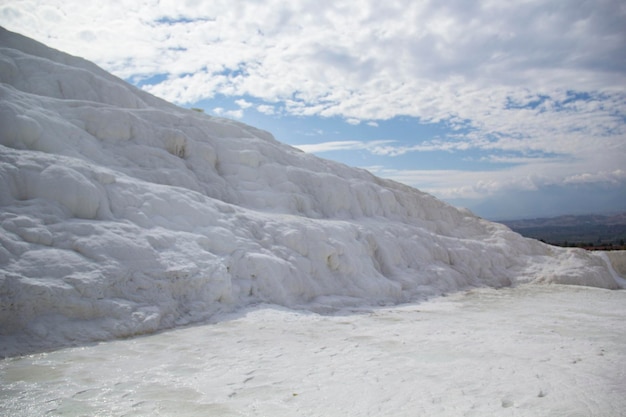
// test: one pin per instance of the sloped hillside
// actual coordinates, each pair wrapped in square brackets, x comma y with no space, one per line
[122,214]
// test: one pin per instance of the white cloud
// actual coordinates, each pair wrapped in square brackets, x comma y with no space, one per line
[358,58]
[614,177]
[480,184]
[448,184]
[235,114]
[220,111]
[346,145]
[518,77]
[243,103]
[266,109]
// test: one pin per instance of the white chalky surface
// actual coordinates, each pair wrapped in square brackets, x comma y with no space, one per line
[527,351]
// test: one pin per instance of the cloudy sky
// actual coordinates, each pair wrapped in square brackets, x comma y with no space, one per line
[511,108]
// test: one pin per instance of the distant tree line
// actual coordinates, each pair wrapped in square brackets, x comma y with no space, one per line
[621,245]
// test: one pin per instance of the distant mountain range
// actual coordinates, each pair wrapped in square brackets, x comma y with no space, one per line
[590,230]
[569,221]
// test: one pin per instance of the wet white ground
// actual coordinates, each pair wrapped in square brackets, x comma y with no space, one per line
[527,351]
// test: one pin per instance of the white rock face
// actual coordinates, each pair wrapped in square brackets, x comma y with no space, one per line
[122,214]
